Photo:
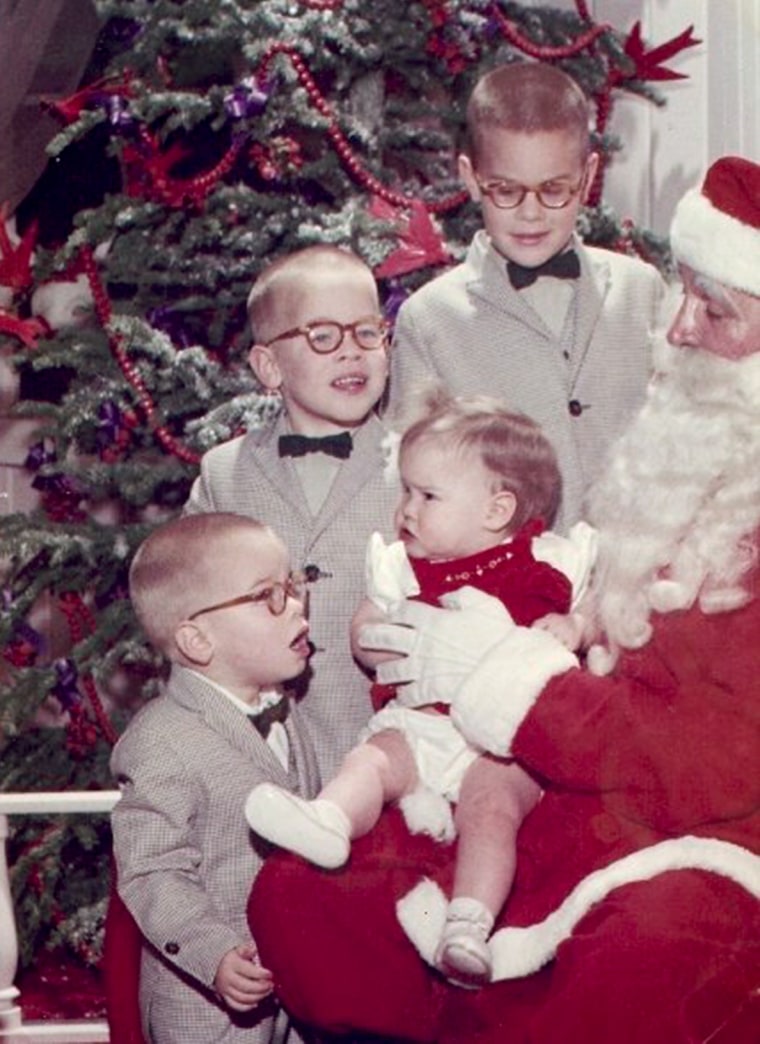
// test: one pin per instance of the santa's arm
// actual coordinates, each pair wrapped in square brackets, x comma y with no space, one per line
[671,738]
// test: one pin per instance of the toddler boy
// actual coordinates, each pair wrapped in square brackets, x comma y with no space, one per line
[215,594]
[553,328]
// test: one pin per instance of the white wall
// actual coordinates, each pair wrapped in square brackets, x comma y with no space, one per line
[715,112]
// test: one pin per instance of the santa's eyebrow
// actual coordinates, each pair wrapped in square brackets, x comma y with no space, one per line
[715,291]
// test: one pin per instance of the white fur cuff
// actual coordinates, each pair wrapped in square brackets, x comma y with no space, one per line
[492,703]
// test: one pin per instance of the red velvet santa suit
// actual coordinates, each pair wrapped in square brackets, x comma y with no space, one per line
[666,747]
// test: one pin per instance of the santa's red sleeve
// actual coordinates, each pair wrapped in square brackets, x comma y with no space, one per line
[673,737]
[122,948]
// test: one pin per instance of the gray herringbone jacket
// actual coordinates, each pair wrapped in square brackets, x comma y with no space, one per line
[471,330]
[248,476]
[185,856]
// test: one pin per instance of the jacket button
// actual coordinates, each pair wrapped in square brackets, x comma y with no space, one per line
[171,948]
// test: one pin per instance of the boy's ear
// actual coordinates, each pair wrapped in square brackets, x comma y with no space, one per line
[592,165]
[193,643]
[263,362]
[467,175]
[501,510]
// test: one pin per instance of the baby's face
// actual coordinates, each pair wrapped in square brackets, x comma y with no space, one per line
[325,393]
[448,508]
[530,233]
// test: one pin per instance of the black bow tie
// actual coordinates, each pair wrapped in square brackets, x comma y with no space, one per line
[264,720]
[562,266]
[339,445]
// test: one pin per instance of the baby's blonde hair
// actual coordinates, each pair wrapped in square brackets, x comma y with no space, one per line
[172,569]
[511,446]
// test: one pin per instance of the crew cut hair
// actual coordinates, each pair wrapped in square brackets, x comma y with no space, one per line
[526,97]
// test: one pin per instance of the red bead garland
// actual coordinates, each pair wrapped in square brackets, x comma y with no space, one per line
[177,192]
[80,623]
[581,43]
[340,143]
[104,312]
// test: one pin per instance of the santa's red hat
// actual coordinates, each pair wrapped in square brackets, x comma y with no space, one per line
[716,228]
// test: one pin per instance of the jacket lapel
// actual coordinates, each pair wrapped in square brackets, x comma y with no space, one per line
[490,283]
[221,716]
[279,471]
[592,290]
[365,462]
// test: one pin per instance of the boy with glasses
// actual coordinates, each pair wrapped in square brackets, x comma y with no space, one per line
[318,474]
[214,594]
[555,329]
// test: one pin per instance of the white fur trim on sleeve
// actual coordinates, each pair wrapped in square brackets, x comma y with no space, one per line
[521,951]
[573,555]
[422,915]
[492,703]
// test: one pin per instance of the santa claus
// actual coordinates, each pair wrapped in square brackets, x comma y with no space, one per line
[635,914]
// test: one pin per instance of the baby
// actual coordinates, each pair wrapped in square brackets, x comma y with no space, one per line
[478,485]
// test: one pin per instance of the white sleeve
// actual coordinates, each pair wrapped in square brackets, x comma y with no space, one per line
[573,555]
[389,576]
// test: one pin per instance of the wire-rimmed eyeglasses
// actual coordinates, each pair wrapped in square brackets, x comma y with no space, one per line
[326,335]
[507,195]
[274,597]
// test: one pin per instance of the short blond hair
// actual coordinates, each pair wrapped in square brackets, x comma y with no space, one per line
[285,275]
[172,564]
[511,447]
[526,97]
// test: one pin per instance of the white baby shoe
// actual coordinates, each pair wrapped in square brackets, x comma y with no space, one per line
[317,830]
[463,955]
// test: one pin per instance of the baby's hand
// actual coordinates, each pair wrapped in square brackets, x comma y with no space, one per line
[566,628]
[240,980]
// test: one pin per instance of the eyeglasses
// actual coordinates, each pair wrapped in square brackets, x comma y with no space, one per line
[274,597]
[507,195]
[327,335]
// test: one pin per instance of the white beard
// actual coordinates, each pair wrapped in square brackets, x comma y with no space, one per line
[678,506]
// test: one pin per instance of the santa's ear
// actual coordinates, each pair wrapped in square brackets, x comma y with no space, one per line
[501,510]
[263,362]
[193,642]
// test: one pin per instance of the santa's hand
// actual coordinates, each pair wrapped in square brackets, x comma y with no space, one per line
[439,647]
[491,703]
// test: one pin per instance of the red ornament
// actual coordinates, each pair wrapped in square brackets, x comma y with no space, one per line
[420,243]
[16,259]
[20,653]
[28,331]
[70,109]
[649,63]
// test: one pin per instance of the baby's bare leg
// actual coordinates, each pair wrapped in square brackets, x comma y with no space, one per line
[495,798]
[321,830]
[372,774]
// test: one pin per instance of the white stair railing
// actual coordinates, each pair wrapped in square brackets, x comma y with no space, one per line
[13,1030]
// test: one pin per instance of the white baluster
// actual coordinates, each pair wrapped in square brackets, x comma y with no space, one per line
[12,1028]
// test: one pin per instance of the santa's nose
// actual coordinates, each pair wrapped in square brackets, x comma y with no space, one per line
[683,329]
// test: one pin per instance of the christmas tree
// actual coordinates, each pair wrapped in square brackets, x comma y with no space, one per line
[213,138]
